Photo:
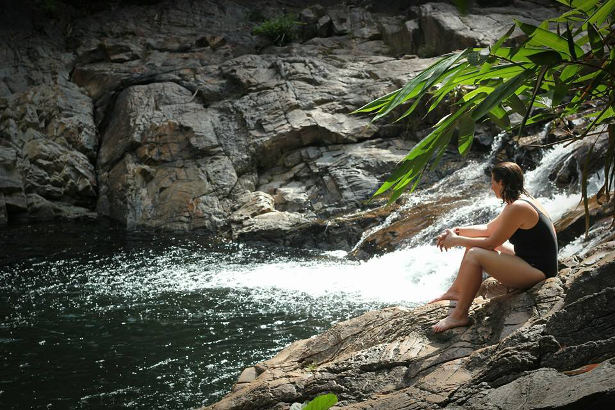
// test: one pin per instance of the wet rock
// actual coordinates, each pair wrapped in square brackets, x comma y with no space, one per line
[41,209]
[571,224]
[48,138]
[161,163]
[253,204]
[279,227]
[402,36]
[444,29]
[567,173]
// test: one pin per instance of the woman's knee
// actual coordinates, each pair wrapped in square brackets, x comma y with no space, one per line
[474,253]
[477,255]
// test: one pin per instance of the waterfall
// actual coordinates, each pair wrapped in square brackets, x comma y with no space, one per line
[430,269]
[463,179]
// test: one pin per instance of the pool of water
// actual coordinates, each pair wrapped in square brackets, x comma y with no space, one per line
[93,316]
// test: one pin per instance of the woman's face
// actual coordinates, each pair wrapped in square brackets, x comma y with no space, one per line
[496,187]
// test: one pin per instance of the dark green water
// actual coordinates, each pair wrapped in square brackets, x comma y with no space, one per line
[91,316]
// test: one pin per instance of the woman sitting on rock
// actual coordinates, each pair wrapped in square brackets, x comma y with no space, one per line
[523,222]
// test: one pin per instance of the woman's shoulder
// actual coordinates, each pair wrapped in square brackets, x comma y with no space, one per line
[523,206]
[530,204]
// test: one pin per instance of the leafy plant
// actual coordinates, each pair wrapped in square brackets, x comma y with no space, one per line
[280,30]
[322,402]
[311,367]
[564,67]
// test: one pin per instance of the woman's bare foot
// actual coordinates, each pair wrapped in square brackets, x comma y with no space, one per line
[450,322]
[448,295]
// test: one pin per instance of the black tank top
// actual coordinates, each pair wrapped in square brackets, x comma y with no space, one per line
[537,245]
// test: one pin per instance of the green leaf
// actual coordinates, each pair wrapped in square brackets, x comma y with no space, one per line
[589,76]
[571,44]
[569,72]
[602,13]
[499,116]
[559,92]
[515,103]
[445,140]
[571,15]
[500,94]
[595,40]
[549,58]
[407,165]
[448,85]
[542,37]
[411,167]
[502,39]
[421,83]
[322,402]
[570,3]
[607,116]
[502,71]
[540,117]
[374,105]
[480,90]
[465,134]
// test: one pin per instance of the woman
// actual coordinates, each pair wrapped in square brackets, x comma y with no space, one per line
[523,222]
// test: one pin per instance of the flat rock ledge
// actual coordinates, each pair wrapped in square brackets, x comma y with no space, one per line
[551,346]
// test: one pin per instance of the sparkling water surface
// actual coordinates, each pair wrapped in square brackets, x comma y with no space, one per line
[93,316]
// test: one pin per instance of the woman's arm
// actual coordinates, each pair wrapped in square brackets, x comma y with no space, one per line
[478,231]
[498,231]
[472,231]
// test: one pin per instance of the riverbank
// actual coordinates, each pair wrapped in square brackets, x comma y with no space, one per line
[551,346]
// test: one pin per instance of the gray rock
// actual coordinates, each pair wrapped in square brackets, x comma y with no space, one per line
[547,388]
[252,204]
[444,29]
[194,114]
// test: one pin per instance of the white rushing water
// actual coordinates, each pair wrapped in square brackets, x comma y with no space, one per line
[411,275]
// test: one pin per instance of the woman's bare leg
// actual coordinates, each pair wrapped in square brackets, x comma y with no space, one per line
[510,270]
[454,290]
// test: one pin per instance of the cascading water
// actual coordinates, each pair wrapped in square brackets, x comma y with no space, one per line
[98,319]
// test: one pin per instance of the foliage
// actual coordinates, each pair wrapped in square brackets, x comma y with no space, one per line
[322,402]
[565,66]
[280,30]
[48,6]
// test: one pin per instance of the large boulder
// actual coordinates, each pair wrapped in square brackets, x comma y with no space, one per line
[160,162]
[444,28]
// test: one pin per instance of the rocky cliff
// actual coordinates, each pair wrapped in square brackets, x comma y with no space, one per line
[175,116]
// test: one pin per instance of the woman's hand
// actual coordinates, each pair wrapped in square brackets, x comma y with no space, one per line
[439,240]
[446,239]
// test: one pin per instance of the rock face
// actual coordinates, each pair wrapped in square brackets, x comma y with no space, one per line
[48,140]
[169,116]
[551,346]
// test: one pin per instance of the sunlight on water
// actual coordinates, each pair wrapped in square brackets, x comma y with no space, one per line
[408,277]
